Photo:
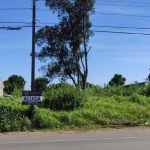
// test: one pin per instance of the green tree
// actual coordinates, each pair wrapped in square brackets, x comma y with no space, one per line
[41,83]
[117,80]
[66,43]
[14,82]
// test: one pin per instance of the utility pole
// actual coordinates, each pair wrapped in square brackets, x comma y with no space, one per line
[33,57]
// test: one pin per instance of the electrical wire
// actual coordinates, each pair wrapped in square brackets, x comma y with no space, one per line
[102,31]
[16,22]
[119,32]
[125,5]
[121,14]
[15,9]
[97,26]
[121,27]
[125,15]
[96,31]
[116,1]
[129,2]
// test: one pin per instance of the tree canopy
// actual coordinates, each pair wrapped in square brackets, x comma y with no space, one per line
[117,80]
[41,83]
[13,82]
[65,45]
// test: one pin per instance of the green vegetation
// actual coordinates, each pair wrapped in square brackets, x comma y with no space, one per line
[41,83]
[13,116]
[63,97]
[117,80]
[14,82]
[66,107]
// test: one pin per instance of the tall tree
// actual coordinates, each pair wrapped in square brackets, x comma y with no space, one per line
[66,44]
[118,79]
[13,82]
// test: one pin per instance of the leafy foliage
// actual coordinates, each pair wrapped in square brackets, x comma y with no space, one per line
[41,83]
[145,90]
[94,107]
[66,43]
[13,117]
[43,119]
[117,80]
[14,82]
[63,97]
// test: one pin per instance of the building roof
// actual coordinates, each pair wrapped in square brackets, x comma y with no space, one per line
[132,84]
[1,83]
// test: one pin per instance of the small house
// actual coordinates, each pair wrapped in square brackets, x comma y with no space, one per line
[1,88]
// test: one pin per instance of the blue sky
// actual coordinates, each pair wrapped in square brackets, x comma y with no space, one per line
[111,53]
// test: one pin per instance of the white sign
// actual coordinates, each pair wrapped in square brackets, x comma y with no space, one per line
[31,98]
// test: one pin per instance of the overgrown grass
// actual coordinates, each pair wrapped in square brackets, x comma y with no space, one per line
[95,107]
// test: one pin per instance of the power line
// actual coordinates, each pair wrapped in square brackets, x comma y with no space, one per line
[124,15]
[129,2]
[16,22]
[101,26]
[11,27]
[125,5]
[121,14]
[107,26]
[121,27]
[119,32]
[97,31]
[115,1]
[104,13]
[15,8]
[83,4]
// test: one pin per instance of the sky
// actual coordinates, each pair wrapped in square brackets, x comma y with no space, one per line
[111,53]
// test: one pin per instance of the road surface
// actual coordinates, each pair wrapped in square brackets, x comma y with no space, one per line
[120,139]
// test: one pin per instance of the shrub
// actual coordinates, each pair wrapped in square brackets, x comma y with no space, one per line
[17,93]
[94,91]
[128,91]
[64,97]
[13,120]
[146,90]
[113,90]
[139,99]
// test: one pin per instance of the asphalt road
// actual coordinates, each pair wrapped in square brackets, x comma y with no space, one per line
[120,139]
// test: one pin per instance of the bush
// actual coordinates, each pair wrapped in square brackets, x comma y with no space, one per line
[94,91]
[139,99]
[128,91]
[146,90]
[113,90]
[12,116]
[63,97]
[17,93]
